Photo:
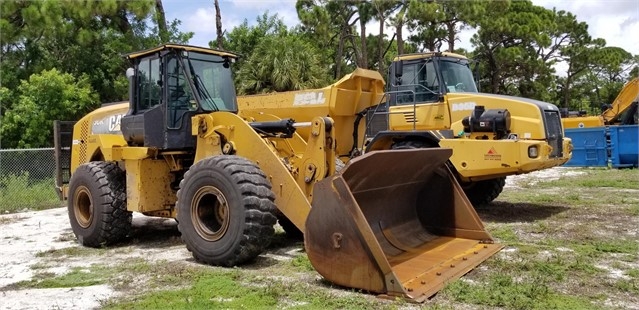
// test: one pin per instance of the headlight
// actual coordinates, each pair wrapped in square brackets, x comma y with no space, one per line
[533,151]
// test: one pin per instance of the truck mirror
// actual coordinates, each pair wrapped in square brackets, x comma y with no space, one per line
[130,72]
[398,68]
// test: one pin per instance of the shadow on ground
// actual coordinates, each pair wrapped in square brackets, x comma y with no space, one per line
[153,232]
[506,212]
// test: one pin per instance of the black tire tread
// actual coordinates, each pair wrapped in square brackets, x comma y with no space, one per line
[114,219]
[257,200]
[485,191]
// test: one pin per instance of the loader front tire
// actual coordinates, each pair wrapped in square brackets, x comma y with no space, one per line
[225,210]
[485,191]
[97,204]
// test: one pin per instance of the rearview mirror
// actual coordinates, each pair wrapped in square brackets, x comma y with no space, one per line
[398,68]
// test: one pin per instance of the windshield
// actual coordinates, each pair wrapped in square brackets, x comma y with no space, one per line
[457,76]
[213,82]
[417,83]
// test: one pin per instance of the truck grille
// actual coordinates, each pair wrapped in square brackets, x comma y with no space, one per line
[554,133]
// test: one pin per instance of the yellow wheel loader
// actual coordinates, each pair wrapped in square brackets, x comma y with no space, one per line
[431,101]
[394,222]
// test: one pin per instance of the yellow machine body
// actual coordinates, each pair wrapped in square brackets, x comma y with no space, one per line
[475,157]
[403,232]
[628,96]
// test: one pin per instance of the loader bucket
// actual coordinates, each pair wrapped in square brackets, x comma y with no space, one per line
[395,223]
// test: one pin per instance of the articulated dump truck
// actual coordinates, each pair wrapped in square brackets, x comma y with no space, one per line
[391,222]
[432,102]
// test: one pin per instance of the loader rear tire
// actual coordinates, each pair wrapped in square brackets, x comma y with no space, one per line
[225,210]
[485,191]
[97,204]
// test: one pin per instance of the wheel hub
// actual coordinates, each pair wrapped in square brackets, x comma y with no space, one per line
[83,206]
[210,213]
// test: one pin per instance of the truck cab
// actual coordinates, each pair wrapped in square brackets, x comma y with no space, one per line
[191,80]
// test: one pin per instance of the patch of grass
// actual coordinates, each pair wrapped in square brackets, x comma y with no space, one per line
[210,290]
[505,234]
[633,273]
[596,178]
[18,194]
[302,262]
[503,291]
[180,286]
[616,246]
[627,286]
[71,251]
[77,277]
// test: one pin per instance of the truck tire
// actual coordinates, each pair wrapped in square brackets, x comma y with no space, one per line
[485,191]
[97,204]
[225,210]
[478,192]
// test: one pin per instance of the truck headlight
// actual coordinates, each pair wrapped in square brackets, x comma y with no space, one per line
[533,151]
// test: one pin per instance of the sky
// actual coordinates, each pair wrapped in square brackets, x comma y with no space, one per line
[616,21]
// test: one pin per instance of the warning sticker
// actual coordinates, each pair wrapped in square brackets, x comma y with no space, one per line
[492,155]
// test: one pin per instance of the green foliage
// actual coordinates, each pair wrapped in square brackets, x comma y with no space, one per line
[243,39]
[85,41]
[46,96]
[18,194]
[281,63]
[274,58]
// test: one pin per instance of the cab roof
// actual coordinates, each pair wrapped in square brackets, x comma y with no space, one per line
[147,52]
[425,55]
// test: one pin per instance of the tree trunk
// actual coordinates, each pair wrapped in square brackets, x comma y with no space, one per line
[380,45]
[451,36]
[340,52]
[399,31]
[364,52]
[161,20]
[218,24]
[494,75]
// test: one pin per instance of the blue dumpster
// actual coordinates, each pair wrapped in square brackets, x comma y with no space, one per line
[624,148]
[589,147]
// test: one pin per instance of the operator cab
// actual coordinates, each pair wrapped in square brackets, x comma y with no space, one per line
[426,77]
[167,86]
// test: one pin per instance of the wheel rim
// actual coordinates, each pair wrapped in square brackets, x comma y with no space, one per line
[210,213]
[83,206]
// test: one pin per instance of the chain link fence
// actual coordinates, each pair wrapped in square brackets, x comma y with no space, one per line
[27,180]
